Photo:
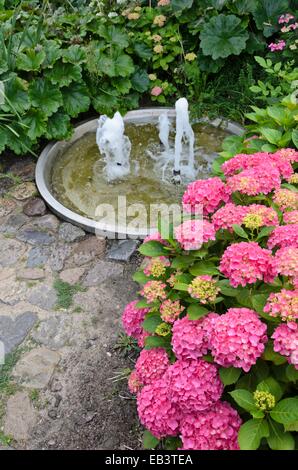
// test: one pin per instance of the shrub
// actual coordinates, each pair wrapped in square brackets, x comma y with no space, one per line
[231,324]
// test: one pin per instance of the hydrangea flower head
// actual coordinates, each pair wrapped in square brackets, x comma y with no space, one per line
[191,337]
[288,154]
[286,342]
[246,262]
[151,365]
[204,288]
[286,262]
[154,290]
[265,401]
[283,304]
[156,411]
[291,217]
[258,216]
[238,338]
[170,310]
[194,385]
[214,429]
[191,234]
[209,193]
[132,319]
[253,181]
[156,267]
[134,383]
[227,216]
[284,236]
[286,199]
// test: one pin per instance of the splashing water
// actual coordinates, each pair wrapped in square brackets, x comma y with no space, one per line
[114,146]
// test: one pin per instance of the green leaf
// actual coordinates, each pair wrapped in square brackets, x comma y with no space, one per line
[140,277]
[149,441]
[114,36]
[272,135]
[151,323]
[267,13]
[75,99]
[244,297]
[3,138]
[229,375]
[35,120]
[286,411]
[196,311]
[30,61]
[44,96]
[292,427]
[63,74]
[295,137]
[140,81]
[272,386]
[142,50]
[291,373]
[153,249]
[270,355]
[240,231]
[152,342]
[53,53]
[181,286]
[58,126]
[75,54]
[203,268]
[227,289]
[16,96]
[182,262]
[142,304]
[251,433]
[265,232]
[179,5]
[244,398]
[223,36]
[278,439]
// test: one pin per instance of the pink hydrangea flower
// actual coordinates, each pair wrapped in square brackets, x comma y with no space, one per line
[291,217]
[156,236]
[288,154]
[286,342]
[156,267]
[156,91]
[283,236]
[170,310]
[213,429]
[156,411]
[154,290]
[242,162]
[142,338]
[204,288]
[283,304]
[132,319]
[265,215]
[286,199]
[227,216]
[256,180]
[134,383]
[278,46]
[151,365]
[286,262]
[209,193]
[246,262]
[163,3]
[193,233]
[238,338]
[194,385]
[191,337]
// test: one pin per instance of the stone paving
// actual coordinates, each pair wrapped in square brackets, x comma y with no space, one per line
[62,292]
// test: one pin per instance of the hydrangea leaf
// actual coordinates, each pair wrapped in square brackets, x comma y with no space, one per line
[229,375]
[272,386]
[278,439]
[203,268]
[140,278]
[35,120]
[30,60]
[149,441]
[244,399]
[75,99]
[151,323]
[44,96]
[153,249]
[251,433]
[63,74]
[196,311]
[223,36]
[58,126]
[286,411]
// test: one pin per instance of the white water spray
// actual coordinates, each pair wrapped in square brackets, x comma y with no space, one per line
[114,146]
[164,130]
[185,133]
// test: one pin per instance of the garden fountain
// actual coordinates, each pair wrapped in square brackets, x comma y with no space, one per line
[147,158]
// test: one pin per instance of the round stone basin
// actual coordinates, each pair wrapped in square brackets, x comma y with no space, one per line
[70,174]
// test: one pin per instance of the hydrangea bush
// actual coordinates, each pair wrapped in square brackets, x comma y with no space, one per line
[217,315]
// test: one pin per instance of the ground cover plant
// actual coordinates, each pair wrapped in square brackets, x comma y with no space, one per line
[61,60]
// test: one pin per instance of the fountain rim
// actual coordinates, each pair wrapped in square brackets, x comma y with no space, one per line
[47,158]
